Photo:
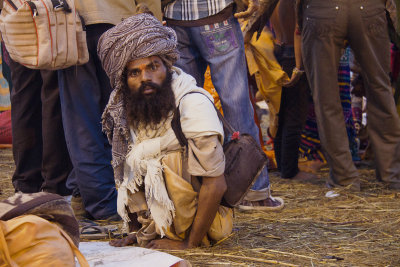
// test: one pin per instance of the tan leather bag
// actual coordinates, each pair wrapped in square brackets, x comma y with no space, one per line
[44,34]
[29,240]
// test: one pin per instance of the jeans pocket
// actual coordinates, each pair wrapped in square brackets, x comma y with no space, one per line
[374,20]
[319,27]
[219,39]
[319,18]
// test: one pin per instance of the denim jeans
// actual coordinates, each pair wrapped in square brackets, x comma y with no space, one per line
[84,92]
[220,45]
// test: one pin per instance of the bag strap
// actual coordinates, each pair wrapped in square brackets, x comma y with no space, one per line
[176,121]
[11,3]
[81,259]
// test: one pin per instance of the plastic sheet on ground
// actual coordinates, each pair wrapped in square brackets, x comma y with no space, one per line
[103,255]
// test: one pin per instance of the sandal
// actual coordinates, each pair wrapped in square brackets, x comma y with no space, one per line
[97,232]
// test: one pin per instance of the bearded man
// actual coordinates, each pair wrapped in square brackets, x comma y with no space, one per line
[159,192]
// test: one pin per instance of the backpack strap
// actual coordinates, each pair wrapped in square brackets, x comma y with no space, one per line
[24,207]
[11,3]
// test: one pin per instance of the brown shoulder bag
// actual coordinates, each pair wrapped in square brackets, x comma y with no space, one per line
[244,158]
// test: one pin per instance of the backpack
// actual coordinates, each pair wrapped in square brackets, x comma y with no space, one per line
[44,34]
[38,229]
[32,241]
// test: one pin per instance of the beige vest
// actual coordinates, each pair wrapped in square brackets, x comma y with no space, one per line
[113,12]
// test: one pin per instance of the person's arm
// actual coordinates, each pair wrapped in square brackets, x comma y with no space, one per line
[252,7]
[298,70]
[297,48]
[211,192]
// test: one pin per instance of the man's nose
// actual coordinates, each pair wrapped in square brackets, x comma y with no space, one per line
[146,76]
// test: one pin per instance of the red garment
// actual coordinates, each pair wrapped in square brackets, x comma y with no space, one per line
[5,127]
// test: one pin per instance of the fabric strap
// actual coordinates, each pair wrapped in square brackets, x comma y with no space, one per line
[24,207]
[12,4]
[176,122]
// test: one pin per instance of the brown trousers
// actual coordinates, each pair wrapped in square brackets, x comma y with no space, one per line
[326,25]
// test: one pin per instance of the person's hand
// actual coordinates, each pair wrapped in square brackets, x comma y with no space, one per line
[126,241]
[296,75]
[252,7]
[167,244]
[357,127]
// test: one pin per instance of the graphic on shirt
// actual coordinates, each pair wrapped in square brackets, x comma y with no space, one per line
[220,40]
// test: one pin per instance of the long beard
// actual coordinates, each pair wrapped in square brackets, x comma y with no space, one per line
[150,110]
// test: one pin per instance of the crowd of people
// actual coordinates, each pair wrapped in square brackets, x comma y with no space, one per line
[102,132]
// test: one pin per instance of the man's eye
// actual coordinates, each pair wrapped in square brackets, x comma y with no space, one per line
[133,73]
[153,67]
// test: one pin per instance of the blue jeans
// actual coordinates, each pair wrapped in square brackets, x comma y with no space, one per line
[84,92]
[220,45]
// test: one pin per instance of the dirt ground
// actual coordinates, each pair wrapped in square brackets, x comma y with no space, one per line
[352,229]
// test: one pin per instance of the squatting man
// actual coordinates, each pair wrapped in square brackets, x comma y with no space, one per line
[159,192]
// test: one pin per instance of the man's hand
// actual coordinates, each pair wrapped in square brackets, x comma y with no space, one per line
[296,75]
[125,241]
[167,244]
[252,7]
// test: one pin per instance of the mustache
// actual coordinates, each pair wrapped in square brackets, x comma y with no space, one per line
[146,85]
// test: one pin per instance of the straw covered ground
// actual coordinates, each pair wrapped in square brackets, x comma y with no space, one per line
[352,229]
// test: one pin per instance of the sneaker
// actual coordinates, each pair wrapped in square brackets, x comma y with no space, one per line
[268,204]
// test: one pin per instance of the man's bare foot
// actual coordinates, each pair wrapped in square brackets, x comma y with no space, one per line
[125,241]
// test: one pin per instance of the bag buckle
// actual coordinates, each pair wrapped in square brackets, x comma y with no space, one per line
[61,4]
[33,8]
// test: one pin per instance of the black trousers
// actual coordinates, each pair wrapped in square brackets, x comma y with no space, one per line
[41,158]
[291,117]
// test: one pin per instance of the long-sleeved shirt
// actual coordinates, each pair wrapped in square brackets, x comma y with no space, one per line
[194,9]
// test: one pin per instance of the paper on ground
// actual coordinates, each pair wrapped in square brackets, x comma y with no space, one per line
[332,194]
[103,255]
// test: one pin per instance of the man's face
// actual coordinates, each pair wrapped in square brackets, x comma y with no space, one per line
[143,73]
[149,97]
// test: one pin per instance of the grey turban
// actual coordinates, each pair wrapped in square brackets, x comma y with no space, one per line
[136,37]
